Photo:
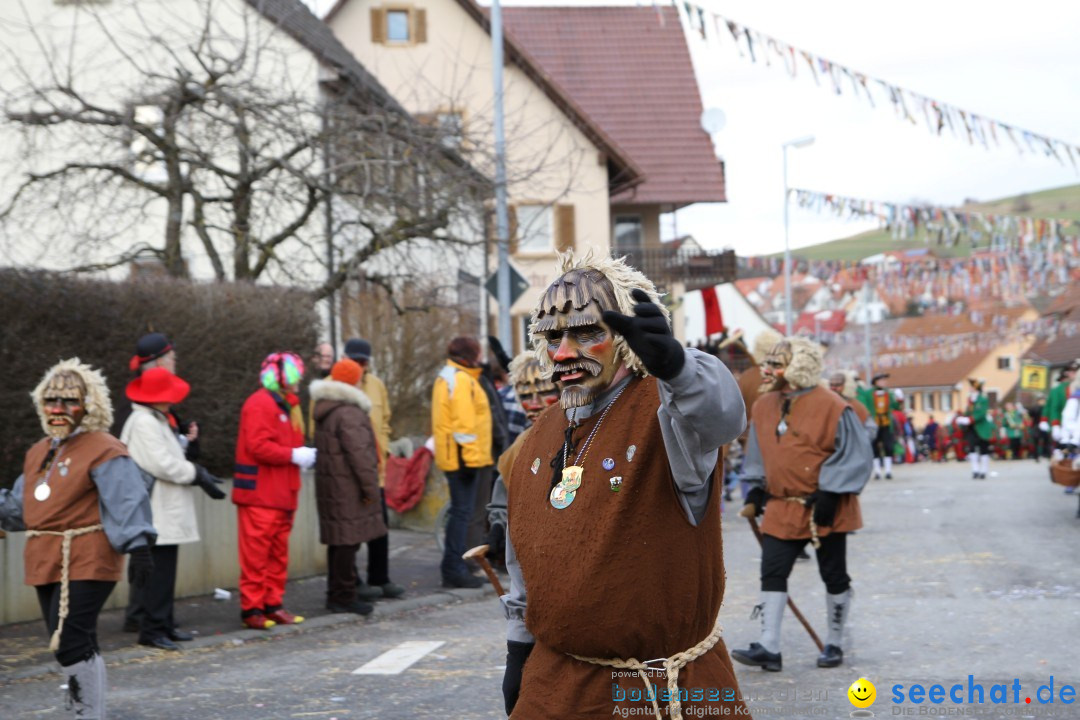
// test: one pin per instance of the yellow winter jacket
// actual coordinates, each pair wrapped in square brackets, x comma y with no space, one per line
[460,416]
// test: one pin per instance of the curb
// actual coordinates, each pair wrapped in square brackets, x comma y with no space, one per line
[439,598]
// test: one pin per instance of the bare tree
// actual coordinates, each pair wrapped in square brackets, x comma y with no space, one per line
[206,127]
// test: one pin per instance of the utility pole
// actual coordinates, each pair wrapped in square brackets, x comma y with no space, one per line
[866,318]
[502,221]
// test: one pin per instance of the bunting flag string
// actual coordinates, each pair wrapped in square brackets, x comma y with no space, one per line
[939,117]
[948,226]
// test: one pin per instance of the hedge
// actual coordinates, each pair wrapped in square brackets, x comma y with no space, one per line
[221,333]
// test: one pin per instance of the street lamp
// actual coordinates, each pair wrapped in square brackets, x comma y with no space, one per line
[800,143]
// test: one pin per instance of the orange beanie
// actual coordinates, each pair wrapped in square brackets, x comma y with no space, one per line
[347,371]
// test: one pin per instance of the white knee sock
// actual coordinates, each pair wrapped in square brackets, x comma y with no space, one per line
[837,608]
[974,462]
[771,615]
[877,467]
[985,462]
[888,466]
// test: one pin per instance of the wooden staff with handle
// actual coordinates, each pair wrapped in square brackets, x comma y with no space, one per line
[750,514]
[479,554]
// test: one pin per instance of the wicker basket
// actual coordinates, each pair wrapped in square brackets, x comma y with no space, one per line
[1062,473]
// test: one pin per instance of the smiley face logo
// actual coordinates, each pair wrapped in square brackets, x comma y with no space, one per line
[862,693]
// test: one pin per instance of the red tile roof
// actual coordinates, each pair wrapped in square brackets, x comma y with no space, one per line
[936,374]
[629,68]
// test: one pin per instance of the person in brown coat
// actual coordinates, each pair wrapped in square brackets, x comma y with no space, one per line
[807,459]
[346,481]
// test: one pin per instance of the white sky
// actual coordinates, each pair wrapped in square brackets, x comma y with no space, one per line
[1014,62]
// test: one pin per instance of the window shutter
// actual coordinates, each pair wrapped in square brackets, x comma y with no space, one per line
[420,36]
[512,221]
[564,228]
[378,25]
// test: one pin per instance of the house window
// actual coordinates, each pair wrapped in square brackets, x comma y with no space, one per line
[451,129]
[398,25]
[911,401]
[629,234]
[928,401]
[946,401]
[1005,362]
[535,231]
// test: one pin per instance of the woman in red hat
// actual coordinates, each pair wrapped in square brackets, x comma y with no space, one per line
[155,447]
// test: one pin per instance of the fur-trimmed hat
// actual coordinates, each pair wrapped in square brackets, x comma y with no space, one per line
[805,368]
[623,279]
[764,343]
[99,411]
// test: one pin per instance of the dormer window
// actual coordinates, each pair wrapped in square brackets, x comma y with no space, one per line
[402,25]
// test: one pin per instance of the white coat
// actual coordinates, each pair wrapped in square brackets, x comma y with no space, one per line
[155,448]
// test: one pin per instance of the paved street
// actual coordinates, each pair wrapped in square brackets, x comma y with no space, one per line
[953,577]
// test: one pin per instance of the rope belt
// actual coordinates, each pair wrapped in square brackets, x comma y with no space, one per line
[813,525]
[671,665]
[65,568]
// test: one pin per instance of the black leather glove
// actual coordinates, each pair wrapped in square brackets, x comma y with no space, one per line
[825,504]
[649,336]
[499,353]
[516,655]
[140,566]
[496,541]
[757,498]
[208,483]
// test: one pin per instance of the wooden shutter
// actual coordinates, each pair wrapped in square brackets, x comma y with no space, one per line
[420,20]
[378,25]
[511,214]
[564,228]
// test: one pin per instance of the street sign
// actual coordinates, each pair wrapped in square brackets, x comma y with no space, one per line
[1033,377]
[518,285]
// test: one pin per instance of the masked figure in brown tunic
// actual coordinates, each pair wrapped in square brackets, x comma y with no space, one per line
[83,503]
[807,458]
[607,490]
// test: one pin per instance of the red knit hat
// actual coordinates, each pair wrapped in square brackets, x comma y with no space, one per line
[347,371]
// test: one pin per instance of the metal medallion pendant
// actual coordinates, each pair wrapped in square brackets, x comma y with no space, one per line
[561,497]
[564,493]
[571,477]
[781,428]
[42,492]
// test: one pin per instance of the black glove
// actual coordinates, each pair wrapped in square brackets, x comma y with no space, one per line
[499,353]
[516,655]
[496,541]
[208,483]
[140,566]
[757,498]
[649,336]
[825,504]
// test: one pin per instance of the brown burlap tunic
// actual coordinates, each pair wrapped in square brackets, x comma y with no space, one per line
[73,502]
[616,574]
[793,461]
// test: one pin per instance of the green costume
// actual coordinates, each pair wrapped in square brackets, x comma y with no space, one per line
[979,412]
[1014,424]
[1055,403]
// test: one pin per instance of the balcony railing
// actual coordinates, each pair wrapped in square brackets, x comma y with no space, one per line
[693,267]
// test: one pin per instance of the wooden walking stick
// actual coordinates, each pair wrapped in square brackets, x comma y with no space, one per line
[479,554]
[749,513]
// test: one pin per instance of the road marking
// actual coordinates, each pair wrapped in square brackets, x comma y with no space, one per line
[396,660]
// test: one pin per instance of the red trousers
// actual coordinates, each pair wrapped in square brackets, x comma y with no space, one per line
[264,555]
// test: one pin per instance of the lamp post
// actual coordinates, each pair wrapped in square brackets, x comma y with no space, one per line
[800,143]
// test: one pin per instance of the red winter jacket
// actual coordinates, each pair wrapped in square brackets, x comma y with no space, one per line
[265,475]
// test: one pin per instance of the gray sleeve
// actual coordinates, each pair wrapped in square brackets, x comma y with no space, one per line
[11,507]
[753,468]
[124,504]
[496,509]
[513,602]
[871,430]
[848,469]
[701,409]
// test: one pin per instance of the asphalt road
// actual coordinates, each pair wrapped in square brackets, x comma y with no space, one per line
[953,578]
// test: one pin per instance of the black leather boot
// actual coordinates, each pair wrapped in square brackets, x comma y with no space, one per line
[760,657]
[830,657]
